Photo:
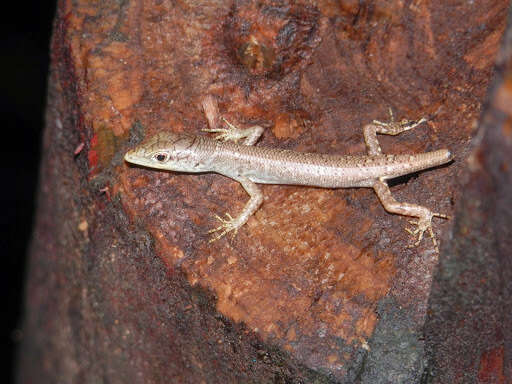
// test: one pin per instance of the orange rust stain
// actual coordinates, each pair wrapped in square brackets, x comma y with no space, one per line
[292,334]
[274,290]
[503,97]
[483,55]
[105,145]
[332,359]
[367,276]
[140,181]
[126,85]
[307,89]
[93,154]
[504,167]
[507,129]
[366,323]
[256,55]
[286,126]
[170,253]
[115,85]
[109,79]
[491,369]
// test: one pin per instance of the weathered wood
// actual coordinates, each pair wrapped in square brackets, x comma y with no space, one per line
[319,286]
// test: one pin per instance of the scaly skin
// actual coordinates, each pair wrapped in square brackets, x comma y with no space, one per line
[249,165]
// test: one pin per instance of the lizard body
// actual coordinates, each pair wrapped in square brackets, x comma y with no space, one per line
[249,165]
[264,165]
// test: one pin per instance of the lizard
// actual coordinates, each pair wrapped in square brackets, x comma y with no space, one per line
[251,165]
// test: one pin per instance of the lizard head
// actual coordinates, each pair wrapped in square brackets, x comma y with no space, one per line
[167,150]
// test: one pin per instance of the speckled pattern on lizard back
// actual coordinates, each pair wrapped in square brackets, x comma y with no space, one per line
[249,165]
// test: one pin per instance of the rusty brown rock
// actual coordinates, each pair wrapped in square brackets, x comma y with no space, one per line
[320,285]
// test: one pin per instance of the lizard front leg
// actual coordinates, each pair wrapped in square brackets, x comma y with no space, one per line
[423,214]
[232,224]
[231,133]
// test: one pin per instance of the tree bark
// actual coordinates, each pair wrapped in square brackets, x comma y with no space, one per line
[123,285]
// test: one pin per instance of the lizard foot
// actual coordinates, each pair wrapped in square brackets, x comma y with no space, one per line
[230,133]
[424,224]
[226,226]
[396,127]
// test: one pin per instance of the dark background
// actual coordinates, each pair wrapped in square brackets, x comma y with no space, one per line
[25,34]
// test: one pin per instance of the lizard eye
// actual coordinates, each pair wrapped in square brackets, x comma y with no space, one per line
[161,157]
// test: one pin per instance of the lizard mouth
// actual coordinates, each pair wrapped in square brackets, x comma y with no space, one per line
[132,157]
[129,156]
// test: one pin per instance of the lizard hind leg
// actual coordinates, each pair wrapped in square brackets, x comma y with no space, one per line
[424,215]
[424,224]
[392,128]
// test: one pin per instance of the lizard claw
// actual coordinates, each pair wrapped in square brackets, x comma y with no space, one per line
[396,127]
[424,224]
[227,225]
[226,134]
